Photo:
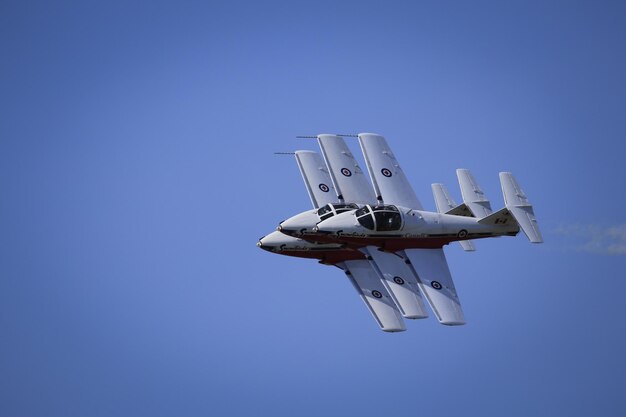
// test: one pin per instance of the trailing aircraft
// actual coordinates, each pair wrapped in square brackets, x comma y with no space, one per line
[379,233]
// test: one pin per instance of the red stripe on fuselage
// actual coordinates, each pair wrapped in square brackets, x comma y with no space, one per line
[391,244]
[331,256]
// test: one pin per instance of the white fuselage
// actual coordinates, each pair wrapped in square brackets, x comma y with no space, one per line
[417,229]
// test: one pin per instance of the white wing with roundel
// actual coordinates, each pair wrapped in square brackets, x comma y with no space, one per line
[429,265]
[400,281]
[350,181]
[375,296]
[390,183]
[364,276]
[354,187]
[316,178]
[436,283]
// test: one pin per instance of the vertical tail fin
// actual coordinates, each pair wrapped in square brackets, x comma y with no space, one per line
[473,195]
[443,201]
[519,206]
[445,204]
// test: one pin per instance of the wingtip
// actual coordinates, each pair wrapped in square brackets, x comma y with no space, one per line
[453,323]
[394,330]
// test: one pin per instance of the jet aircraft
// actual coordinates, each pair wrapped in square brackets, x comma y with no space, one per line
[378,233]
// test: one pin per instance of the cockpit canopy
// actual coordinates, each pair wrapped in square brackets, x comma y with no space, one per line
[330,210]
[383,218]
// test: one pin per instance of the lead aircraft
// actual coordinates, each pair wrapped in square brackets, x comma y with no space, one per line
[379,234]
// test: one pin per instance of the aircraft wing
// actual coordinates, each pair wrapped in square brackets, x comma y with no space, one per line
[316,178]
[399,280]
[390,183]
[429,265]
[352,185]
[388,268]
[436,283]
[364,274]
[377,299]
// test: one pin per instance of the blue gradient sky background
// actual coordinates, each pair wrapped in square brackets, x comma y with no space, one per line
[137,174]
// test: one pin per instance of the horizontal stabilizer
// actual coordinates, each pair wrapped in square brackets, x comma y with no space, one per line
[367,282]
[445,204]
[502,217]
[460,210]
[516,201]
[473,195]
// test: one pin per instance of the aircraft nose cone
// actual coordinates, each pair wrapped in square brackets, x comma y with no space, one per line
[287,227]
[271,241]
[299,224]
[260,244]
[275,242]
[291,229]
[287,230]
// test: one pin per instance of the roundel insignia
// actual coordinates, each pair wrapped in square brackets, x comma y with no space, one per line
[377,294]
[436,285]
[324,188]
[398,280]
[346,172]
[386,172]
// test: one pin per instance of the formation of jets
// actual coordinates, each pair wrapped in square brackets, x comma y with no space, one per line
[378,233]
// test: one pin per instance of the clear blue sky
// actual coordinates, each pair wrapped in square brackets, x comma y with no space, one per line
[137,173]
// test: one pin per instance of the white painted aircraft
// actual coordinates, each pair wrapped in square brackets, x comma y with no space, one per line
[392,225]
[383,281]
